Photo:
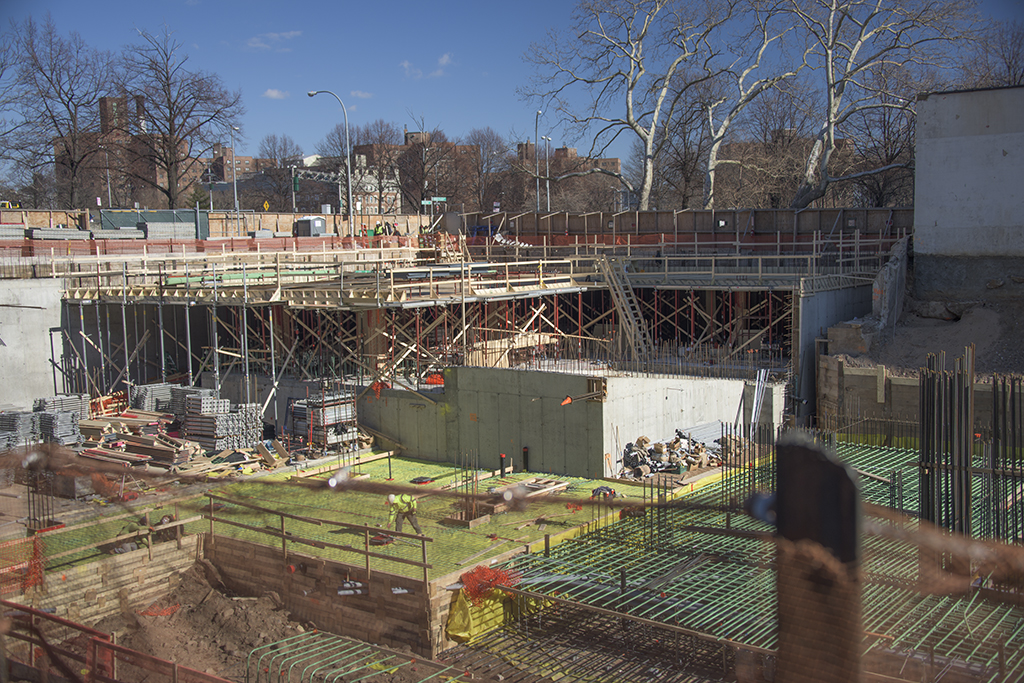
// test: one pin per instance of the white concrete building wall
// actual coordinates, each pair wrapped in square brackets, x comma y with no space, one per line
[969,190]
[28,310]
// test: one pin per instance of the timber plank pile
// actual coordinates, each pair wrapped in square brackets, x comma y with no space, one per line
[136,438]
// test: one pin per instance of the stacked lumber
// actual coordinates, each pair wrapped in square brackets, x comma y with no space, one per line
[136,438]
[112,456]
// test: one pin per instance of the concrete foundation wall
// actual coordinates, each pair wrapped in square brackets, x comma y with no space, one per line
[968,224]
[656,407]
[28,311]
[874,393]
[970,161]
[816,313]
[486,412]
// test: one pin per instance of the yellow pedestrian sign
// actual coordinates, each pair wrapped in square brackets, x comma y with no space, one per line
[266,205]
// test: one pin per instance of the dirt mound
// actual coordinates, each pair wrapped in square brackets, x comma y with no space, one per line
[996,330]
[197,626]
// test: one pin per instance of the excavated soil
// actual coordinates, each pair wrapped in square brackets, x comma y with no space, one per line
[200,627]
[996,330]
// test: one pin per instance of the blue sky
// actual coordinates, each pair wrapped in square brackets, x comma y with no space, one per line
[454,64]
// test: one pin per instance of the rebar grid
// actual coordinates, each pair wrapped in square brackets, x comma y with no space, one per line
[705,572]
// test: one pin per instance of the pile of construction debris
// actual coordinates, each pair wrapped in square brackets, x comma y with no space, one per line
[643,458]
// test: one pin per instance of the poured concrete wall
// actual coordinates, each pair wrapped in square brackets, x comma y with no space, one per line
[968,223]
[656,407]
[485,412]
[816,313]
[28,311]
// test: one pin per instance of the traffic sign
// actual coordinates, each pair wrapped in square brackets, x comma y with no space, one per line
[439,199]
[266,206]
[425,202]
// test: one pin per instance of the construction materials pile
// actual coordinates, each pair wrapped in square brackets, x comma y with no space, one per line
[179,395]
[642,458]
[152,397]
[216,425]
[77,403]
[60,426]
[137,438]
[326,420]
[18,428]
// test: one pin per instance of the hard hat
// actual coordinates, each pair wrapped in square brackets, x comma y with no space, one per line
[391,498]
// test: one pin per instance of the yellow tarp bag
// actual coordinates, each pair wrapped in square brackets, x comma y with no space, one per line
[466,620]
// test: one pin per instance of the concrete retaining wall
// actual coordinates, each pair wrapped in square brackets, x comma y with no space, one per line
[816,313]
[29,309]
[968,224]
[874,393]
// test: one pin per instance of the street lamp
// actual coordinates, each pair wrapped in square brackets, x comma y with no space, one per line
[547,170]
[536,157]
[234,177]
[348,169]
[106,153]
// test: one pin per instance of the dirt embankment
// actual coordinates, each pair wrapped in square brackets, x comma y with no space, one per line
[996,330]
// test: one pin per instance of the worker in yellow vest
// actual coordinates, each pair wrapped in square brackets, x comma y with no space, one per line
[402,507]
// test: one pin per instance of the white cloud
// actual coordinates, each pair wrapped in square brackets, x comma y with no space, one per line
[361,95]
[410,70]
[442,61]
[275,94]
[267,41]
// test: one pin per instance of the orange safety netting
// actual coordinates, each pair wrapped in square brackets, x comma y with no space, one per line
[479,582]
[435,378]
[377,386]
[21,565]
[154,611]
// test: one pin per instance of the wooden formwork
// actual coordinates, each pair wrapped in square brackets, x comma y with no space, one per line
[394,611]
[86,593]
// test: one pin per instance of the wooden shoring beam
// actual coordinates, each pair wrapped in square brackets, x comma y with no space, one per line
[138,346]
[82,365]
[424,332]
[93,345]
[785,314]
[521,330]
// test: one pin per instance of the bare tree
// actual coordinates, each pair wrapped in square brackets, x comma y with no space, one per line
[59,81]
[281,149]
[377,149]
[489,160]
[628,55]
[883,137]
[998,58]
[850,38]
[183,113]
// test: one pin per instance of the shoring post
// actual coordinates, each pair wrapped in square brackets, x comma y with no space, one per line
[547,545]
[284,545]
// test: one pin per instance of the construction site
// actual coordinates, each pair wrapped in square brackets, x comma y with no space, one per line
[642,446]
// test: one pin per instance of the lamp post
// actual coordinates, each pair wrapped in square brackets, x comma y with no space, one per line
[547,170]
[234,177]
[536,157]
[293,188]
[348,168]
[110,202]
